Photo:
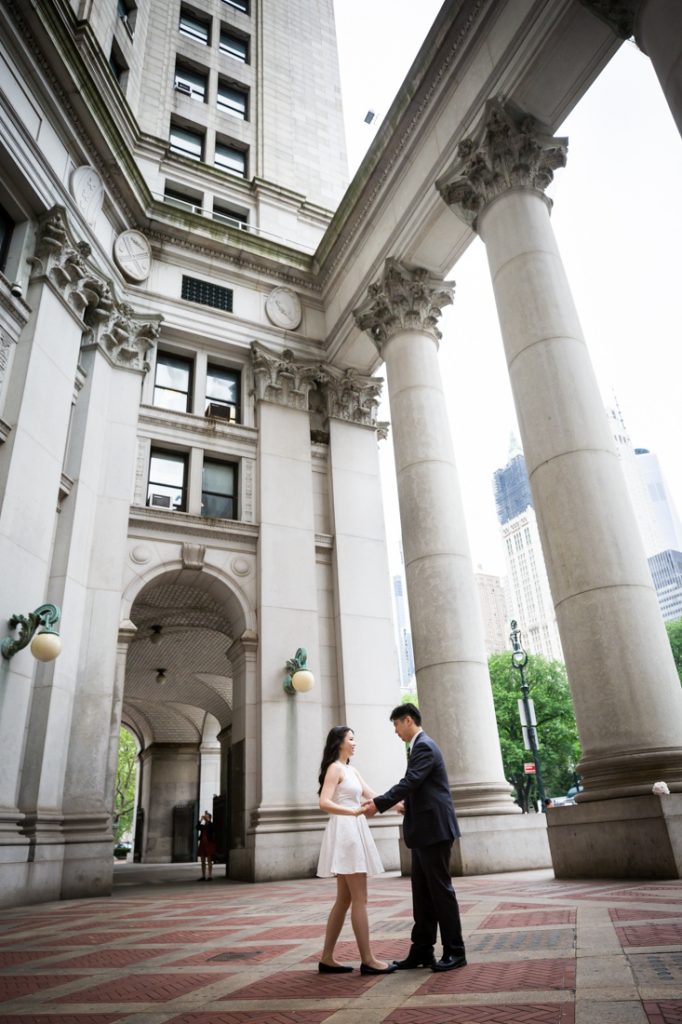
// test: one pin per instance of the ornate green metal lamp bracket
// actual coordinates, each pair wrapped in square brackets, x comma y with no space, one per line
[44,618]
[299,678]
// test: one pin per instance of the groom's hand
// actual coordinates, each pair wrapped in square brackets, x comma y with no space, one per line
[369,809]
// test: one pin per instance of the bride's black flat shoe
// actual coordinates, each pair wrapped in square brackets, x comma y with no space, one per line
[367,969]
[333,968]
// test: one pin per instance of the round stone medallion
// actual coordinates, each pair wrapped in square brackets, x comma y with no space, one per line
[133,255]
[88,191]
[283,308]
[240,567]
[140,554]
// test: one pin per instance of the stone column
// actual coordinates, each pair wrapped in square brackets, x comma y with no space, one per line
[289,728]
[657,28]
[401,314]
[625,688]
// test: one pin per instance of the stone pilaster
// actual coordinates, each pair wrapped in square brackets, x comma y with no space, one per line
[631,722]
[401,314]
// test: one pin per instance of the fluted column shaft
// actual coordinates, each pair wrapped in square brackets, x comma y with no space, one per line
[447,632]
[625,688]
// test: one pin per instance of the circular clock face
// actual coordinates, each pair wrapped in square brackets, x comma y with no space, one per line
[283,308]
[133,255]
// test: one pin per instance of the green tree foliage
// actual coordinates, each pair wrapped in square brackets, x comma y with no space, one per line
[674,630]
[558,743]
[126,777]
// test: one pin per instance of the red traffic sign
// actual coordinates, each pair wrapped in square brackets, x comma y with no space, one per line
[529,768]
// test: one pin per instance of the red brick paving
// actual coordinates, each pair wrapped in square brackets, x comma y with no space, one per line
[307,985]
[503,977]
[651,935]
[255,1017]
[140,988]
[109,958]
[527,1013]
[12,986]
[530,918]
[664,1013]
[189,929]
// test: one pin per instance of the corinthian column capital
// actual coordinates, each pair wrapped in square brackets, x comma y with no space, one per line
[403,299]
[618,14]
[280,378]
[509,150]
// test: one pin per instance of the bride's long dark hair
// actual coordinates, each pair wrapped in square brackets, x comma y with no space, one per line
[336,736]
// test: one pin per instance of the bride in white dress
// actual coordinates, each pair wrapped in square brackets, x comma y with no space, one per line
[348,851]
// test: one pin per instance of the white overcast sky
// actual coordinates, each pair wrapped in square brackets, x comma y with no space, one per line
[618,220]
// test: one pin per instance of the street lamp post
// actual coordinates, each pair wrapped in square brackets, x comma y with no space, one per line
[519,661]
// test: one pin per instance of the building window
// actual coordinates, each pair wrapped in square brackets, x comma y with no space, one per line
[232,101]
[234,46]
[173,384]
[191,83]
[239,5]
[219,490]
[222,393]
[167,486]
[6,229]
[233,218]
[186,143]
[193,27]
[127,12]
[117,64]
[230,159]
[183,199]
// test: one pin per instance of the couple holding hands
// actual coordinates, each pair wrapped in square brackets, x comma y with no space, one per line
[348,850]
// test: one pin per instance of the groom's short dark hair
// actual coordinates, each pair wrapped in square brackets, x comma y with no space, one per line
[403,710]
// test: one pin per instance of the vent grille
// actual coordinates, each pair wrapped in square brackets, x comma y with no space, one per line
[207,294]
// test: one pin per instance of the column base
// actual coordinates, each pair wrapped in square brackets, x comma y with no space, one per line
[493,843]
[632,837]
[286,844]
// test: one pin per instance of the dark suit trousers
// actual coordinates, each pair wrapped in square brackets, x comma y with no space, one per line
[434,903]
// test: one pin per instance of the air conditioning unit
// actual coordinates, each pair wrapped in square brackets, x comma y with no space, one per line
[160,500]
[183,87]
[219,412]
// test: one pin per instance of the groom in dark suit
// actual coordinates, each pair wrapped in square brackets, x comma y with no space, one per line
[429,830]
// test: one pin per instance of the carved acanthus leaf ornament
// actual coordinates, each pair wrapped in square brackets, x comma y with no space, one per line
[405,298]
[510,150]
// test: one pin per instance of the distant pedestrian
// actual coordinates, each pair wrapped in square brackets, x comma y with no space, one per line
[207,846]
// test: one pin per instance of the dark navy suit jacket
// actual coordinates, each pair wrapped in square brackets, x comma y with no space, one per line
[429,811]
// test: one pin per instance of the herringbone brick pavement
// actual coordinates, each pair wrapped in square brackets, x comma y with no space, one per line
[540,952]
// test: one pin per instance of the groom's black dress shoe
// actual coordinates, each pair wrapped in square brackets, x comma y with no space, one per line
[366,969]
[333,968]
[449,962]
[415,959]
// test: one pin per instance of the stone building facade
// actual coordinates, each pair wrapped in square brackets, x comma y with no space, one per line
[192,314]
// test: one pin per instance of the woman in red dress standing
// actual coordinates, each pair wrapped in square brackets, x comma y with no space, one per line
[207,846]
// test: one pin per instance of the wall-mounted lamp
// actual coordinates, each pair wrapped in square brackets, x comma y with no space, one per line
[299,679]
[161,676]
[36,628]
[155,635]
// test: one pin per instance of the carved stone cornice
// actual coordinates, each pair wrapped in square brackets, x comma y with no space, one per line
[124,335]
[509,150]
[618,14]
[340,394]
[404,299]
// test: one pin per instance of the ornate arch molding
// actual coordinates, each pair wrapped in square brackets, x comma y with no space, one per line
[122,334]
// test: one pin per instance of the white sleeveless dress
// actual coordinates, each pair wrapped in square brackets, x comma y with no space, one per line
[347,844]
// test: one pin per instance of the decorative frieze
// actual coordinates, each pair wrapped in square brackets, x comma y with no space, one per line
[123,334]
[618,14]
[340,394]
[404,299]
[509,150]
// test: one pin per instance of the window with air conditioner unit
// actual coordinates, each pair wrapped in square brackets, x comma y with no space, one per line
[222,393]
[167,485]
[190,82]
